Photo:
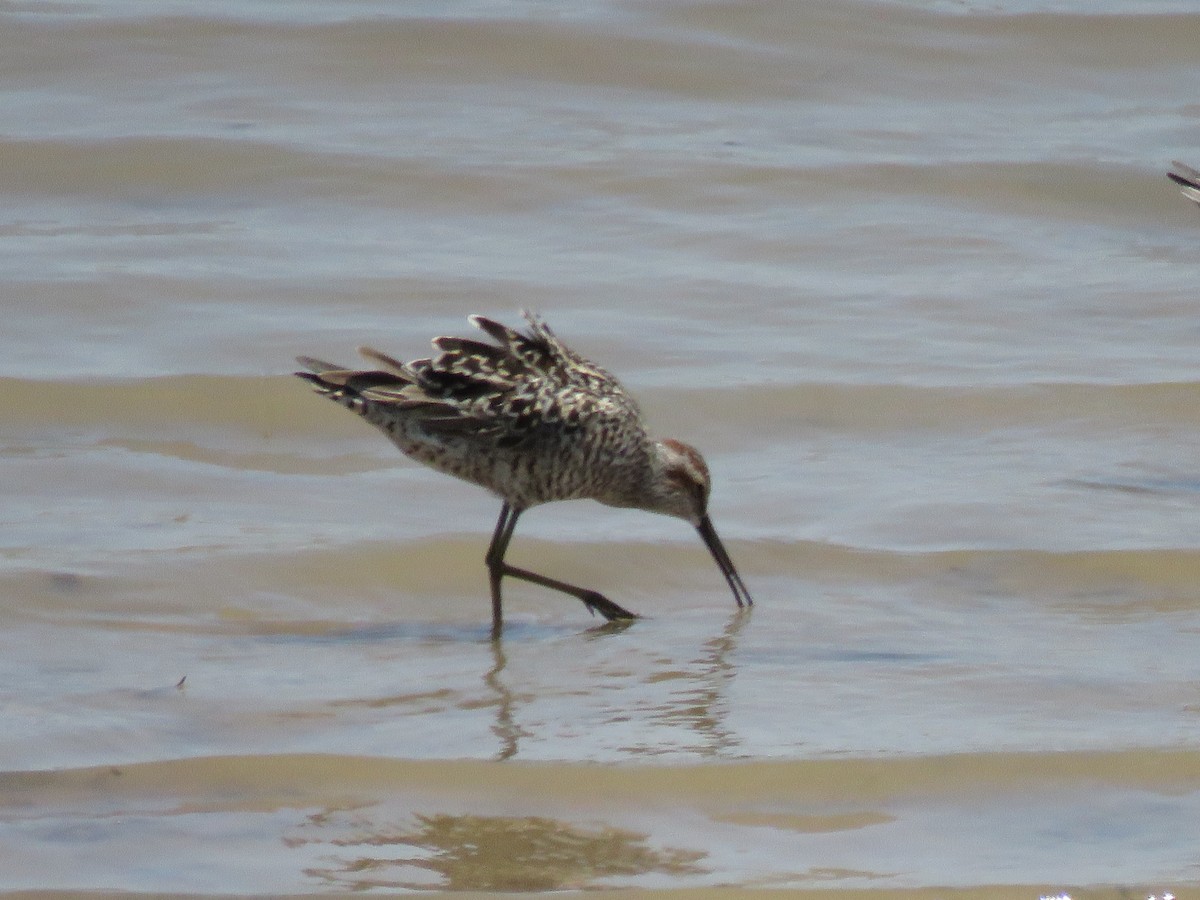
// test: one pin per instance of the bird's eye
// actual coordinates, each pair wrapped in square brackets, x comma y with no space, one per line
[681,480]
[685,482]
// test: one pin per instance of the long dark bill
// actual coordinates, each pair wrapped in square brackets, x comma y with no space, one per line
[740,595]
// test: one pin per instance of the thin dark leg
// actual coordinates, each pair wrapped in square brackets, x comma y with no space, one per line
[593,600]
[494,559]
[498,568]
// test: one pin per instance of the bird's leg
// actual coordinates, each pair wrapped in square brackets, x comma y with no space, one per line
[498,568]
[593,600]
[494,560]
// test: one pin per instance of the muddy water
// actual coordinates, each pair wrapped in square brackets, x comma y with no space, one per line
[909,274]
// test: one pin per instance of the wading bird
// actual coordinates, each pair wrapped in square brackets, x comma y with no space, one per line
[532,421]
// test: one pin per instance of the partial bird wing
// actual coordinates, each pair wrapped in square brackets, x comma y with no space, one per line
[1188,180]
[543,353]
[394,385]
[504,392]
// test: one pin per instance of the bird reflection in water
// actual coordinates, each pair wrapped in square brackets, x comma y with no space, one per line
[699,705]
[505,727]
[702,705]
[496,853]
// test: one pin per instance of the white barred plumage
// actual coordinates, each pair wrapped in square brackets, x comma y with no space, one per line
[532,421]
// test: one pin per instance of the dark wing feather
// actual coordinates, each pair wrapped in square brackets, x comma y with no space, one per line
[541,350]
[530,351]
[1188,180]
[389,363]
[330,377]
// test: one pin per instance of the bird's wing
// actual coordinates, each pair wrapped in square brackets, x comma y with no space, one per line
[394,384]
[540,353]
[506,392]
[329,378]
[1188,180]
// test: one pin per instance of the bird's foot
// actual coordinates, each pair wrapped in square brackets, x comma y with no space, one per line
[598,603]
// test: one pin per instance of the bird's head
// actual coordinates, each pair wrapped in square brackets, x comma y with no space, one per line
[681,482]
[680,488]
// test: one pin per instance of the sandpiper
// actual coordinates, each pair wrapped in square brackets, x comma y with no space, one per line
[532,421]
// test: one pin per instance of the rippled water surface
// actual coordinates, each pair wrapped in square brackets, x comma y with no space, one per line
[909,273]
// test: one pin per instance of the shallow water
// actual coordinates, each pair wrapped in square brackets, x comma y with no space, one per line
[910,274]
